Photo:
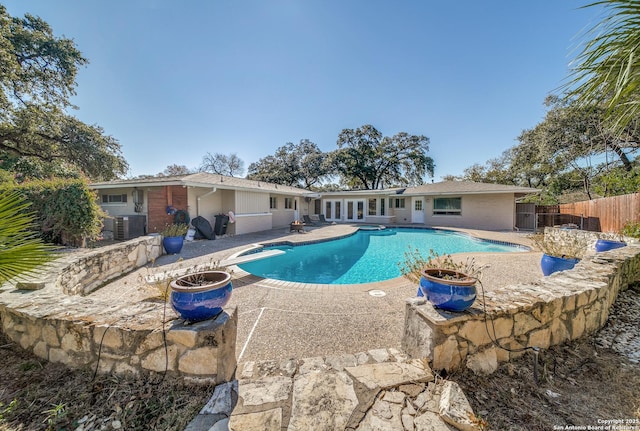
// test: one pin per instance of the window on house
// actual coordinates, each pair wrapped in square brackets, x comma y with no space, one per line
[399,203]
[372,207]
[317,206]
[273,203]
[382,201]
[447,206]
[114,199]
[288,203]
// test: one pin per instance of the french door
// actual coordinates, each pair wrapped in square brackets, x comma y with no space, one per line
[355,210]
[333,210]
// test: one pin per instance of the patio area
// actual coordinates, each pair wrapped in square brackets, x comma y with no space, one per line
[281,320]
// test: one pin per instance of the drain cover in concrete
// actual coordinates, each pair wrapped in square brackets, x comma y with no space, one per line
[377,293]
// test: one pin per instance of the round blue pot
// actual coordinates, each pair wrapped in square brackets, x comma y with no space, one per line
[551,264]
[608,244]
[201,295]
[455,294]
[172,244]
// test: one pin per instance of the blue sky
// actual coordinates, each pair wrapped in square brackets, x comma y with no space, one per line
[172,80]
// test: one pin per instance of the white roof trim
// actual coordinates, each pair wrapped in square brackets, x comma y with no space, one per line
[128,185]
[461,193]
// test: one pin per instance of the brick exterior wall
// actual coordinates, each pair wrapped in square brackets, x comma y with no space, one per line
[159,199]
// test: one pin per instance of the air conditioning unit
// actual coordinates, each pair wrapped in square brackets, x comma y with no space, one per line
[129,226]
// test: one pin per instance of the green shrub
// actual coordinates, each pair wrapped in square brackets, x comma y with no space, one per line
[631,229]
[67,211]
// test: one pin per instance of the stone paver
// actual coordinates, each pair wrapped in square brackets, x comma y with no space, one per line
[269,420]
[430,421]
[455,409]
[382,416]
[265,390]
[322,401]
[390,374]
[326,395]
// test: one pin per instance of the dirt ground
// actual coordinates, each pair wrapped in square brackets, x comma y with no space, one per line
[38,395]
[577,385]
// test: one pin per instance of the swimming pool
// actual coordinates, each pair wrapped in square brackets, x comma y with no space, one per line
[364,257]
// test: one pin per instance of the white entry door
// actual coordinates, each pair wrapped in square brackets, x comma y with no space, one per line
[417,210]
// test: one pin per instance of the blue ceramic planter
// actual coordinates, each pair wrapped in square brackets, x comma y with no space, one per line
[608,244]
[452,295]
[551,264]
[172,244]
[201,295]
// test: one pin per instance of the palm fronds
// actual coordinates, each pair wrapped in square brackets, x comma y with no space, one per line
[21,249]
[607,70]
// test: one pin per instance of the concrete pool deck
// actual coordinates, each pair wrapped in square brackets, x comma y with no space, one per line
[281,320]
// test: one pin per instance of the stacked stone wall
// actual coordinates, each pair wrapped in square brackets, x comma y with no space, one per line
[115,336]
[93,269]
[567,237]
[203,351]
[563,306]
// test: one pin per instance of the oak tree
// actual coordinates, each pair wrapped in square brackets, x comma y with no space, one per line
[37,79]
[299,165]
[367,160]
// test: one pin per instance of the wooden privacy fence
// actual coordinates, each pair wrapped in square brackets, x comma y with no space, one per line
[606,214]
[597,215]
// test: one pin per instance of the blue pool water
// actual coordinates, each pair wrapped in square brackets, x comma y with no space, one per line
[365,257]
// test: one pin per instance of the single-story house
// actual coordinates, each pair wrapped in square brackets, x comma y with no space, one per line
[462,204]
[252,205]
[151,203]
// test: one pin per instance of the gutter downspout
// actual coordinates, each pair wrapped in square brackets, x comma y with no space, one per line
[210,192]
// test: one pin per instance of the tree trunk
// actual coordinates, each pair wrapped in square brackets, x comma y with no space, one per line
[621,154]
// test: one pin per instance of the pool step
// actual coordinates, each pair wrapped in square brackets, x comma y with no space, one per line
[251,257]
[163,276]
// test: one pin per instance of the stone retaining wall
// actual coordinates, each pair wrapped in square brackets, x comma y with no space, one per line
[561,307]
[572,236]
[203,351]
[115,336]
[93,269]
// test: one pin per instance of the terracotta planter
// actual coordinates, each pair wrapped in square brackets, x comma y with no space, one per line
[201,295]
[455,292]
[551,264]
